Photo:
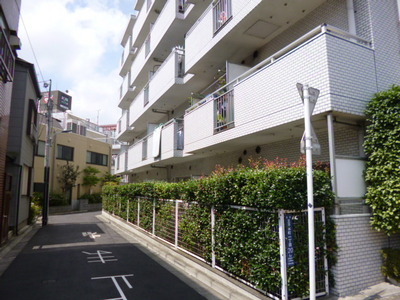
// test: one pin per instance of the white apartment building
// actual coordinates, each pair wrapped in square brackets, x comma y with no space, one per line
[209,82]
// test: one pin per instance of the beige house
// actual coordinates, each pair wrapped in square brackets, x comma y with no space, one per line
[71,148]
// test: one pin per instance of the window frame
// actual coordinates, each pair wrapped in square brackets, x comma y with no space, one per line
[62,155]
[94,158]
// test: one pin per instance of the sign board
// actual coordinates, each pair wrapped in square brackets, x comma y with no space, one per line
[289,240]
[64,101]
[316,147]
[313,97]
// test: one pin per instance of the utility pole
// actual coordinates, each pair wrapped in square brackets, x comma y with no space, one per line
[45,211]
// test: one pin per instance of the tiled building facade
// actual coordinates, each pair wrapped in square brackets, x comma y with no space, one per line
[227,92]
[9,14]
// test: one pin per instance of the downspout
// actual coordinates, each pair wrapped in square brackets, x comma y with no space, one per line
[18,200]
[332,159]
[351,19]
[398,8]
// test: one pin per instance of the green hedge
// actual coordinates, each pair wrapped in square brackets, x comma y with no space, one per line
[391,263]
[382,146]
[247,243]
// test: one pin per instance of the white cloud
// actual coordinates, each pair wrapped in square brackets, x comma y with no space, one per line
[77,45]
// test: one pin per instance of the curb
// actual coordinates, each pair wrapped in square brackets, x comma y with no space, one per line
[15,245]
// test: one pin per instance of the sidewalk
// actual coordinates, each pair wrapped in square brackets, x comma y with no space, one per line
[382,290]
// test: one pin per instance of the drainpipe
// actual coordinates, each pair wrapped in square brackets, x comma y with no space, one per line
[398,8]
[351,19]
[18,201]
[332,159]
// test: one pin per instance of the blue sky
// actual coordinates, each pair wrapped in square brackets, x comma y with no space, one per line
[77,46]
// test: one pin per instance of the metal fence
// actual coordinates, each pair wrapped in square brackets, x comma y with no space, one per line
[177,222]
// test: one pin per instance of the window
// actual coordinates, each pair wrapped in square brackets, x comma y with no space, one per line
[82,130]
[65,152]
[96,158]
[31,129]
[73,127]
[40,148]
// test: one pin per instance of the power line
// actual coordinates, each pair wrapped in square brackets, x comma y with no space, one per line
[29,40]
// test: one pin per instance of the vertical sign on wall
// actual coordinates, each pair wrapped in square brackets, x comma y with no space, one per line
[289,240]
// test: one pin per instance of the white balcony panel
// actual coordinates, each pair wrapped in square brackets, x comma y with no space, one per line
[122,124]
[162,92]
[158,43]
[127,58]
[164,78]
[135,156]
[144,19]
[169,141]
[137,153]
[126,93]
[136,108]
[120,167]
[267,104]
[249,28]
[201,38]
[125,133]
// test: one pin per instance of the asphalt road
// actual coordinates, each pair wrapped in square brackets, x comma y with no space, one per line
[78,257]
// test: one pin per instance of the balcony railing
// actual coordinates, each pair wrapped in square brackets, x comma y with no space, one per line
[259,100]
[180,142]
[148,4]
[223,108]
[7,59]
[182,6]
[222,12]
[147,45]
[146,96]
[144,149]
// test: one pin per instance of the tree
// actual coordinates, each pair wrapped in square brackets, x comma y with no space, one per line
[90,178]
[109,179]
[382,146]
[69,175]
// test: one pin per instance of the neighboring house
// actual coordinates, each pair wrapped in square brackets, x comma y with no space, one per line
[70,148]
[215,82]
[9,43]
[22,137]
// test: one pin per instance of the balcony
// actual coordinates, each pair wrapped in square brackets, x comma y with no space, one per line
[169,147]
[263,104]
[7,59]
[157,43]
[161,92]
[126,92]
[121,162]
[124,132]
[127,57]
[129,48]
[233,29]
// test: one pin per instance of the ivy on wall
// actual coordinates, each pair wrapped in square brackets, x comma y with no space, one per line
[382,146]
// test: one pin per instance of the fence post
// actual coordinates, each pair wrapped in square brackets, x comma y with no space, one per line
[282,244]
[154,217]
[212,236]
[127,210]
[138,211]
[176,222]
[325,251]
